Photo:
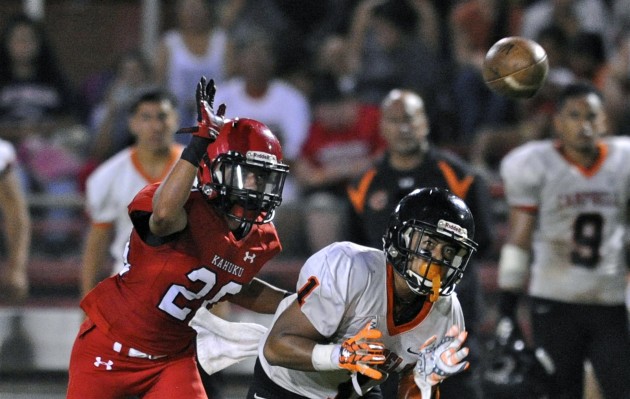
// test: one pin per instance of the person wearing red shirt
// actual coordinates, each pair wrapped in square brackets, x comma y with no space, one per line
[343,142]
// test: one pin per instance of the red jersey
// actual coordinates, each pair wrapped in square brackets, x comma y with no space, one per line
[148,306]
[360,140]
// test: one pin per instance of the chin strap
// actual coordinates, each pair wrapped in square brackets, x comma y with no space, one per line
[242,230]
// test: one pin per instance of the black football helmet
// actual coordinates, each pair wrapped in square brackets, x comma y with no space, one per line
[511,369]
[433,212]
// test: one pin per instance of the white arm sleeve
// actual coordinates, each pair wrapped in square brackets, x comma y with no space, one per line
[7,155]
[513,268]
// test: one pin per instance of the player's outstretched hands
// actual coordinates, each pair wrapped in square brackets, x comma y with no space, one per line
[439,360]
[362,351]
[209,124]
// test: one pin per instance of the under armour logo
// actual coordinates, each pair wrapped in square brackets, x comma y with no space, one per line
[108,364]
[249,257]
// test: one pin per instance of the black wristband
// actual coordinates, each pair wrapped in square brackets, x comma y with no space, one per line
[195,149]
[508,303]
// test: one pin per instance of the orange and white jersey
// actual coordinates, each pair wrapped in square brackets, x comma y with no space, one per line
[581,232]
[342,288]
[110,189]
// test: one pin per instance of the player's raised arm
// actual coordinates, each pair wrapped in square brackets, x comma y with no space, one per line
[168,213]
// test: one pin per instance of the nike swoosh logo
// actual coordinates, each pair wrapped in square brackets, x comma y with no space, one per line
[258,397]
[413,352]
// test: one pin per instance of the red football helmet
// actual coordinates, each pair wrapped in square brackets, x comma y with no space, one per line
[242,173]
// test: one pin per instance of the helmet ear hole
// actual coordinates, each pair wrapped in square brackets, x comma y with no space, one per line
[209,191]
[392,251]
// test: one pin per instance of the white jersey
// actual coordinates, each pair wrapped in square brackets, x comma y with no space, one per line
[343,287]
[185,69]
[111,187]
[7,155]
[579,241]
[284,109]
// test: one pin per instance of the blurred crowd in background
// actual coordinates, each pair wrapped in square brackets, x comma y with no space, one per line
[315,71]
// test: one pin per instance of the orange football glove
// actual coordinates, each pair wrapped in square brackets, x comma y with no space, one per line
[360,352]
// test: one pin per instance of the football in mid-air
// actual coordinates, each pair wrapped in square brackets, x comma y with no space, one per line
[515,67]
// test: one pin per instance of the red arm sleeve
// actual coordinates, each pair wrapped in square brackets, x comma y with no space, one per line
[143,201]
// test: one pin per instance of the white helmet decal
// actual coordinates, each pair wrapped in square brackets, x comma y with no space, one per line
[261,156]
[447,227]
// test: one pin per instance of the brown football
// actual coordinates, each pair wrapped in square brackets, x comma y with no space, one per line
[515,67]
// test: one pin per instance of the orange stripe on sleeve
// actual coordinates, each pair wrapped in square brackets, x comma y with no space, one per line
[102,225]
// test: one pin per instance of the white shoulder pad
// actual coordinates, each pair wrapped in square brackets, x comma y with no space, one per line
[522,171]
[332,278]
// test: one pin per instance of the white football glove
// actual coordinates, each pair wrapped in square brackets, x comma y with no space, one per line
[437,361]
